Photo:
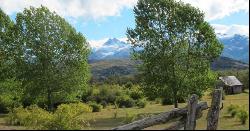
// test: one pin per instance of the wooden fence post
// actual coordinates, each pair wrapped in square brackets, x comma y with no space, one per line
[191,114]
[213,113]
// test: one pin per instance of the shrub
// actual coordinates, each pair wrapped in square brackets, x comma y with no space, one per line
[181,100]
[166,101]
[129,85]
[67,116]
[31,117]
[129,118]
[136,93]
[157,100]
[104,103]
[125,101]
[232,109]
[96,107]
[141,103]
[242,115]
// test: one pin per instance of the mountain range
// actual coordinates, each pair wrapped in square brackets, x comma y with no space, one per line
[235,47]
[112,58]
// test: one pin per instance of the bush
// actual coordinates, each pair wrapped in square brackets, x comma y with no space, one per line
[129,118]
[232,109]
[67,116]
[31,117]
[96,107]
[181,100]
[129,85]
[107,93]
[166,101]
[136,93]
[104,104]
[242,115]
[141,103]
[158,100]
[125,101]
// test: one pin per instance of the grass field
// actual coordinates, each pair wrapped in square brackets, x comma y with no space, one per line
[105,119]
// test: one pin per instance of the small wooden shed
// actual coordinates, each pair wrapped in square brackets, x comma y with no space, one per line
[231,85]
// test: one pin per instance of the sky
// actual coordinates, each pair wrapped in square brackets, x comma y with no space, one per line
[99,20]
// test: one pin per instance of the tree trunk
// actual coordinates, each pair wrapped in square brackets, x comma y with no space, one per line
[175,100]
[50,103]
[175,103]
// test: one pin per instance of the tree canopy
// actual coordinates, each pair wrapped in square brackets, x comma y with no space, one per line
[50,56]
[176,46]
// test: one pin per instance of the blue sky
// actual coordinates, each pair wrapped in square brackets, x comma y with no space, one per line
[99,20]
[110,27]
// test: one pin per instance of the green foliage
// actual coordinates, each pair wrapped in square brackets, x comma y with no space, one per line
[166,101]
[125,101]
[96,107]
[67,116]
[129,118]
[242,115]
[141,103]
[10,92]
[136,92]
[232,109]
[129,85]
[10,95]
[104,94]
[158,100]
[52,56]
[175,46]
[104,104]
[31,117]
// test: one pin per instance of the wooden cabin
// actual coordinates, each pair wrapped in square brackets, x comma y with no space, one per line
[231,85]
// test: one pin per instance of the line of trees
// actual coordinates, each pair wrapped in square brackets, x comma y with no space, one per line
[42,58]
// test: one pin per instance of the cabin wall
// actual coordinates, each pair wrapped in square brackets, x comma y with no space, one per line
[233,89]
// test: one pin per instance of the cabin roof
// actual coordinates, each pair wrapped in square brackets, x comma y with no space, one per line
[230,80]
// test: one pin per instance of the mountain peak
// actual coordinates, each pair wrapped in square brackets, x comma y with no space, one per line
[112,41]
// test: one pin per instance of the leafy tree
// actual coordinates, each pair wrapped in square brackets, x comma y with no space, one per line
[176,47]
[10,91]
[5,40]
[51,56]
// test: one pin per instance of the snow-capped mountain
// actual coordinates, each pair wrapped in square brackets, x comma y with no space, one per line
[111,49]
[235,47]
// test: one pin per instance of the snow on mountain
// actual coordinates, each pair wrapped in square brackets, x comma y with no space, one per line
[111,49]
[235,46]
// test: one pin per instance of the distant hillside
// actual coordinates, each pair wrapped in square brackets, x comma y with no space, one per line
[224,63]
[103,69]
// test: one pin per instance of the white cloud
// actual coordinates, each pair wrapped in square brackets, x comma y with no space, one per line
[72,8]
[214,9]
[231,29]
[97,43]
[217,9]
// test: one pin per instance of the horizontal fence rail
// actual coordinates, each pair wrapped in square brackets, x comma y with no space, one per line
[162,118]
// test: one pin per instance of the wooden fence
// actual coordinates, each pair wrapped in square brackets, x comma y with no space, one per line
[187,115]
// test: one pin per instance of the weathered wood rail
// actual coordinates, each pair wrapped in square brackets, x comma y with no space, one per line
[187,115]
